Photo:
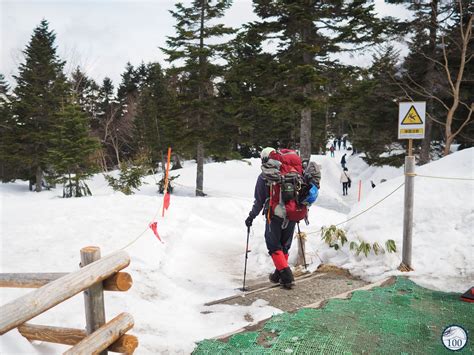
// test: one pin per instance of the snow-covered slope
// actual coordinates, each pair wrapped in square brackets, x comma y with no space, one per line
[443,243]
[202,257]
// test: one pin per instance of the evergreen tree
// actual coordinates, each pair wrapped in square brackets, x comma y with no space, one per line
[196,29]
[4,87]
[40,90]
[72,147]
[8,145]
[308,32]
[85,92]
[127,96]
[110,131]
[253,101]
[155,125]
[372,105]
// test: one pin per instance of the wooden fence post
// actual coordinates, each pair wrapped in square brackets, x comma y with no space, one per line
[93,296]
[40,300]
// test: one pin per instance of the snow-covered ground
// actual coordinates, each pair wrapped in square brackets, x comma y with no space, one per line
[202,257]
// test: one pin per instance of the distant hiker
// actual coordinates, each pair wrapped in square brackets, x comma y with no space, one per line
[346,181]
[344,142]
[332,149]
[335,143]
[284,192]
[372,184]
[343,161]
[339,143]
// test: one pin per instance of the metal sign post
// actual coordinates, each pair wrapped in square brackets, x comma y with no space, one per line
[411,125]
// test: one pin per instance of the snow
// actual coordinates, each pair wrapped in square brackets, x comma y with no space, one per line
[202,257]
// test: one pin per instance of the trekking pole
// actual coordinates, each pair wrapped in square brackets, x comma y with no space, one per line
[301,246]
[246,257]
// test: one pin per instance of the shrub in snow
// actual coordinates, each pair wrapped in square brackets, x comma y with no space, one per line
[130,178]
[333,235]
[161,184]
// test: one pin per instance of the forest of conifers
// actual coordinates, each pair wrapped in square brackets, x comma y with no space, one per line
[225,93]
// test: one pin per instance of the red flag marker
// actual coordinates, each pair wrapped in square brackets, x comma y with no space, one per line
[154,228]
[166,200]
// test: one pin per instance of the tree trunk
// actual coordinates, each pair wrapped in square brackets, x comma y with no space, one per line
[163,163]
[202,75]
[429,84]
[305,126]
[305,138]
[447,147]
[39,178]
[326,125]
[200,169]
[176,162]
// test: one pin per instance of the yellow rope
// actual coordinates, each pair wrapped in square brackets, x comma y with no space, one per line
[367,209]
[439,177]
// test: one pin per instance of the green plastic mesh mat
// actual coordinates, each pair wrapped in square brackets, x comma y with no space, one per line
[402,318]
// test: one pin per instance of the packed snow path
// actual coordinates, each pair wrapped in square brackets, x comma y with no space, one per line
[202,257]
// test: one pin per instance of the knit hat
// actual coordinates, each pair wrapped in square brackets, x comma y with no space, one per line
[265,153]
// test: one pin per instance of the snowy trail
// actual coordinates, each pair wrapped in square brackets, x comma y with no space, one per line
[202,258]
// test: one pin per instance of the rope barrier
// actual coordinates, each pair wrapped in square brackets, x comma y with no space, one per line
[146,229]
[314,232]
[367,209]
[439,177]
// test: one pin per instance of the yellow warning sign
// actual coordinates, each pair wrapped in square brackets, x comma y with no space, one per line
[412,117]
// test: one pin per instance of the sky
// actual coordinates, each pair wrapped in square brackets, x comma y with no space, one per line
[101,36]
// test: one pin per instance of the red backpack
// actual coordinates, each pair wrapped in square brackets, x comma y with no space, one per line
[286,181]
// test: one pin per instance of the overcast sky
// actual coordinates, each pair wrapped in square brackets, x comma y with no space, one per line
[101,36]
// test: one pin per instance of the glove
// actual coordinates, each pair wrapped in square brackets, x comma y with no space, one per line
[248,221]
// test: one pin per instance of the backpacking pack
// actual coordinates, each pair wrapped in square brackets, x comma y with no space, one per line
[289,185]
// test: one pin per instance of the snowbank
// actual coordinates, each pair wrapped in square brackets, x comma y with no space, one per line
[443,245]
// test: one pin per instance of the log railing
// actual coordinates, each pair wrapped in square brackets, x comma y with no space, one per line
[96,275]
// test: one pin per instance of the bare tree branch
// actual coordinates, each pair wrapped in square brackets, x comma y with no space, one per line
[426,93]
[467,121]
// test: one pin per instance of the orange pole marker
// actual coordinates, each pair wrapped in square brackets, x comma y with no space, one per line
[166,182]
[360,189]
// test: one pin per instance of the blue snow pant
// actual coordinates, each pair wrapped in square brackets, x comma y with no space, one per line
[277,238]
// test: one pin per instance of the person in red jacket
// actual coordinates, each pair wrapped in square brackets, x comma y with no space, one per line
[278,235]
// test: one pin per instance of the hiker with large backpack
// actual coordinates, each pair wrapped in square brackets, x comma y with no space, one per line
[284,191]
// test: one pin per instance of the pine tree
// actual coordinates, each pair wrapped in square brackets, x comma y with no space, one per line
[196,29]
[40,90]
[372,104]
[8,141]
[127,95]
[71,150]
[4,86]
[156,127]
[308,32]
[85,92]
[112,134]
[254,109]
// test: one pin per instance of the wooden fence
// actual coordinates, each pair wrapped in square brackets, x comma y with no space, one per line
[95,275]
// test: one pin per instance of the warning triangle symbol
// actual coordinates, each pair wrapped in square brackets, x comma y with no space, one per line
[412,117]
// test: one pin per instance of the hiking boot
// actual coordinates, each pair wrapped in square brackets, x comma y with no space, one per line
[286,278]
[274,276]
